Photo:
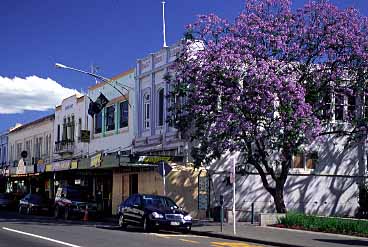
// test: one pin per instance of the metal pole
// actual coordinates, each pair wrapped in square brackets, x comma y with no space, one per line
[164,176]
[252,214]
[222,216]
[234,197]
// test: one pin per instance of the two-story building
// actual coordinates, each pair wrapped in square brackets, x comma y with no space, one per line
[29,146]
[112,132]
[156,142]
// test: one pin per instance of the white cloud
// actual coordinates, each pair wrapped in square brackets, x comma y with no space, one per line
[30,93]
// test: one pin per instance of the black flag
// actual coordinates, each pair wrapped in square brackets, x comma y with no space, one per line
[97,106]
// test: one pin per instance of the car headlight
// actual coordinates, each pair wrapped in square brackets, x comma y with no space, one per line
[157,215]
[32,205]
[188,217]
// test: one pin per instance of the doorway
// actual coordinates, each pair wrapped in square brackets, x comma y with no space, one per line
[133,184]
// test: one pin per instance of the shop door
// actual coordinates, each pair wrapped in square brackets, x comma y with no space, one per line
[133,184]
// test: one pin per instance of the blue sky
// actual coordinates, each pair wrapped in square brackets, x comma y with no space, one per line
[110,33]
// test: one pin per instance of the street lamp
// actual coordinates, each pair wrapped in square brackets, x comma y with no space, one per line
[99,77]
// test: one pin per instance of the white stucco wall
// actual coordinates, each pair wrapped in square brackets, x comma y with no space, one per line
[29,132]
[330,189]
[114,140]
[77,106]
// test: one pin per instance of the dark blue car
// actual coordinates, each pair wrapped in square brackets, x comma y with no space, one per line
[153,212]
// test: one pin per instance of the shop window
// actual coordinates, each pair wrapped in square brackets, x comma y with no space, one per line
[110,118]
[98,123]
[124,114]
[161,99]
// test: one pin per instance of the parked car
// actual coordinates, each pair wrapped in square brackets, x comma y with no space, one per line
[7,201]
[153,212]
[72,202]
[34,203]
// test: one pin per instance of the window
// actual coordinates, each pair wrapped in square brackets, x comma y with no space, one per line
[72,129]
[110,118]
[326,106]
[64,130]
[161,98]
[79,128]
[58,133]
[339,106]
[146,110]
[124,114]
[19,150]
[98,123]
[351,107]
[305,161]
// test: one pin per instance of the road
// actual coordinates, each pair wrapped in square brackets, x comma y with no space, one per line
[20,230]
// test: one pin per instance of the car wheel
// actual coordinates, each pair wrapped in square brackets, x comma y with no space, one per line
[29,210]
[187,230]
[122,224]
[66,214]
[56,212]
[146,225]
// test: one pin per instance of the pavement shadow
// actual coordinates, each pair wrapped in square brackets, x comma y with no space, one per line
[352,242]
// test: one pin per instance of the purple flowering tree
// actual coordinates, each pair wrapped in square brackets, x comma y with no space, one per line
[259,84]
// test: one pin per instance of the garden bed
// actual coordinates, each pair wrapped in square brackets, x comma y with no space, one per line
[335,225]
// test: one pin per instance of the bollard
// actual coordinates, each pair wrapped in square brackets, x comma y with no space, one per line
[252,214]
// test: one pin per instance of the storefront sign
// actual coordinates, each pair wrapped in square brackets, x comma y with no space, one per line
[85,135]
[61,165]
[30,169]
[41,168]
[96,160]
[74,164]
[21,169]
[154,159]
[48,168]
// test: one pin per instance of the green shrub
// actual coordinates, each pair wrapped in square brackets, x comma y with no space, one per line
[325,224]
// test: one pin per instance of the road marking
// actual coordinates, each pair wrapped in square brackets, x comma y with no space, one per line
[189,241]
[40,237]
[177,235]
[232,244]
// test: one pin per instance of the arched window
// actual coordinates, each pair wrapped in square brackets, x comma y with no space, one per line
[146,110]
[161,98]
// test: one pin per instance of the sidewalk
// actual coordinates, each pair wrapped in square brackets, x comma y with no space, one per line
[276,236]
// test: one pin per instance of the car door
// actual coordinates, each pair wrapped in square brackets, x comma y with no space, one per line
[137,210]
[127,210]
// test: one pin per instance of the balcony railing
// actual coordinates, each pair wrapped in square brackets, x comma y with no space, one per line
[66,146]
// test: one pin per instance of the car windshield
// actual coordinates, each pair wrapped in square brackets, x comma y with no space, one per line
[36,198]
[159,202]
[4,196]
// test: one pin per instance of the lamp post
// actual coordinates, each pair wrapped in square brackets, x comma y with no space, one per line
[99,77]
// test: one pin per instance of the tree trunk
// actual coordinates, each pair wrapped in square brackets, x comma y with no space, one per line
[278,197]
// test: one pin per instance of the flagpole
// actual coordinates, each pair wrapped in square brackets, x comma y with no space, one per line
[164,23]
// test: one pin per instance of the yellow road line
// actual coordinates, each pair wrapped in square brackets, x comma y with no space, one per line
[232,244]
[189,241]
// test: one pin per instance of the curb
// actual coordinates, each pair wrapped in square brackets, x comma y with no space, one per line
[237,238]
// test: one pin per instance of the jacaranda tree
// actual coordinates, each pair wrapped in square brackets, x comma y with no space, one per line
[259,84]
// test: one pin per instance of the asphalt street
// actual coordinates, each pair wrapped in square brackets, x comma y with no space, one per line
[20,230]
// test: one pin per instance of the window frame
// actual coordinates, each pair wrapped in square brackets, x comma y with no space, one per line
[161,107]
[123,104]
[146,111]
